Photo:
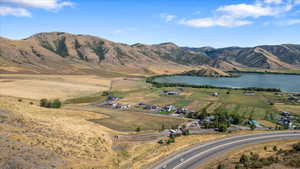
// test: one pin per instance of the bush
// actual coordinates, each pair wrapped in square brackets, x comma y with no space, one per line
[221,166]
[160,141]
[105,93]
[297,146]
[56,104]
[43,102]
[223,128]
[244,159]
[50,104]
[138,129]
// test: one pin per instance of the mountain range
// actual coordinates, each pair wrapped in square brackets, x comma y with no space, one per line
[59,52]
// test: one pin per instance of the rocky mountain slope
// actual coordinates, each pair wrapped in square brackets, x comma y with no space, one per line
[59,52]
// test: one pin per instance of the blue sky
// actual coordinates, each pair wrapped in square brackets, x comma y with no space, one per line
[217,23]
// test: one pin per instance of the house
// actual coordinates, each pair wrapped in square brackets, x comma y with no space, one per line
[169,108]
[181,110]
[215,94]
[285,114]
[175,132]
[152,108]
[112,98]
[254,122]
[170,93]
[293,99]
[249,93]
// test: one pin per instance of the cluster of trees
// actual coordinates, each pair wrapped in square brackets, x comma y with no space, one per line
[50,103]
[221,119]
[171,139]
[100,50]
[160,85]
[265,72]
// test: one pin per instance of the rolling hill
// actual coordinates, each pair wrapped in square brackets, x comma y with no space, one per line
[59,52]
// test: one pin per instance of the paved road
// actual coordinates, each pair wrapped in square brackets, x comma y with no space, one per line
[197,155]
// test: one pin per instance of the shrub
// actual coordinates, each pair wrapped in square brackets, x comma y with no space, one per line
[275,148]
[252,126]
[237,166]
[244,159]
[138,129]
[297,146]
[50,104]
[43,102]
[223,128]
[221,166]
[160,141]
[56,104]
[105,93]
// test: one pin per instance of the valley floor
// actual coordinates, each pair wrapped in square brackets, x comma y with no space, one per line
[80,135]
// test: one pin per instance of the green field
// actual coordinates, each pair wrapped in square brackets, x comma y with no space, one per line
[253,106]
[131,120]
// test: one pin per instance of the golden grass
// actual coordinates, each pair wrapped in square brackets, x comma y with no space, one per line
[289,108]
[51,86]
[234,155]
[67,133]
[148,153]
[267,123]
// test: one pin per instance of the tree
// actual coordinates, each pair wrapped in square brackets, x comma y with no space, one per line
[252,126]
[275,148]
[105,93]
[265,148]
[244,159]
[223,128]
[138,129]
[56,103]
[221,166]
[297,146]
[237,166]
[43,102]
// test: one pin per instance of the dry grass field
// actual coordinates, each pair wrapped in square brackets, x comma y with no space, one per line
[62,137]
[230,158]
[289,108]
[51,86]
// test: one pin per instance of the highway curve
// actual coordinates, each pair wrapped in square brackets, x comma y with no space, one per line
[195,156]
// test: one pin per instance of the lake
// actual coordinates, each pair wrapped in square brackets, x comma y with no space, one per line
[290,83]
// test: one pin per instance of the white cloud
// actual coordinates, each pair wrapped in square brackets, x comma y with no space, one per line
[273,1]
[224,21]
[291,22]
[20,12]
[168,17]
[247,10]
[43,4]
[235,15]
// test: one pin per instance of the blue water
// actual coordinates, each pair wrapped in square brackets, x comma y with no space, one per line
[290,83]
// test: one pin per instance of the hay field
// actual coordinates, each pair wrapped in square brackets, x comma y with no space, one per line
[51,86]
